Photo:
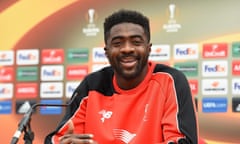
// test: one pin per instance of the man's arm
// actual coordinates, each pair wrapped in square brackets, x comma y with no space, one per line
[180,119]
[71,113]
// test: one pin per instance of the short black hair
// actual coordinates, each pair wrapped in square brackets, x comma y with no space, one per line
[122,16]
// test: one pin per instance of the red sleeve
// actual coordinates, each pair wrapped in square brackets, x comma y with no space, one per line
[170,121]
[78,121]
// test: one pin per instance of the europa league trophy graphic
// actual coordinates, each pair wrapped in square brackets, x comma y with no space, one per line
[172,25]
[91,13]
[91,29]
[172,11]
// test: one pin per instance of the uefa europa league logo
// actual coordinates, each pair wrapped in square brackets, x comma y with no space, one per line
[91,29]
[91,13]
[172,25]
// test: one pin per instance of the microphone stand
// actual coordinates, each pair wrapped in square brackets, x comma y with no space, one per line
[25,126]
[28,133]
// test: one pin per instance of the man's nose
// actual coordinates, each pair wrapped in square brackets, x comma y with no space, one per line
[127,48]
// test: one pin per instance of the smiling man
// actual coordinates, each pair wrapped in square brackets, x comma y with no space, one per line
[134,100]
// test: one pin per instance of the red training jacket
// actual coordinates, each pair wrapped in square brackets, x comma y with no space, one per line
[160,110]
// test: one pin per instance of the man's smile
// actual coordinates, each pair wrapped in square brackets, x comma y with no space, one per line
[128,62]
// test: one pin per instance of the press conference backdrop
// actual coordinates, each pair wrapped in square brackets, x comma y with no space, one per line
[48,47]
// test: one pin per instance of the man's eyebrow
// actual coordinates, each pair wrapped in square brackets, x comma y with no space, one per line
[117,37]
[132,36]
[137,36]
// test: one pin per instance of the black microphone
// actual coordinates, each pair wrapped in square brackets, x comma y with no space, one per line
[27,116]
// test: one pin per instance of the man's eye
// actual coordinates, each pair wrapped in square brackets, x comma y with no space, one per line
[117,43]
[137,42]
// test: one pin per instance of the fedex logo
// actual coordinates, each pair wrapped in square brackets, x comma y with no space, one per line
[215,50]
[70,88]
[6,74]
[236,86]
[52,56]
[52,73]
[214,68]
[99,55]
[186,51]
[6,57]
[28,57]
[6,90]
[236,67]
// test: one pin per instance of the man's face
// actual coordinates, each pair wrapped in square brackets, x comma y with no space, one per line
[127,50]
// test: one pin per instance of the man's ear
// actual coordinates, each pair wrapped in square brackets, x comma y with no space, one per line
[150,47]
[105,49]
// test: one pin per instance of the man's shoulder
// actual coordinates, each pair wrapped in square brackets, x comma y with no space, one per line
[160,67]
[107,70]
[101,81]
[104,74]
[163,68]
